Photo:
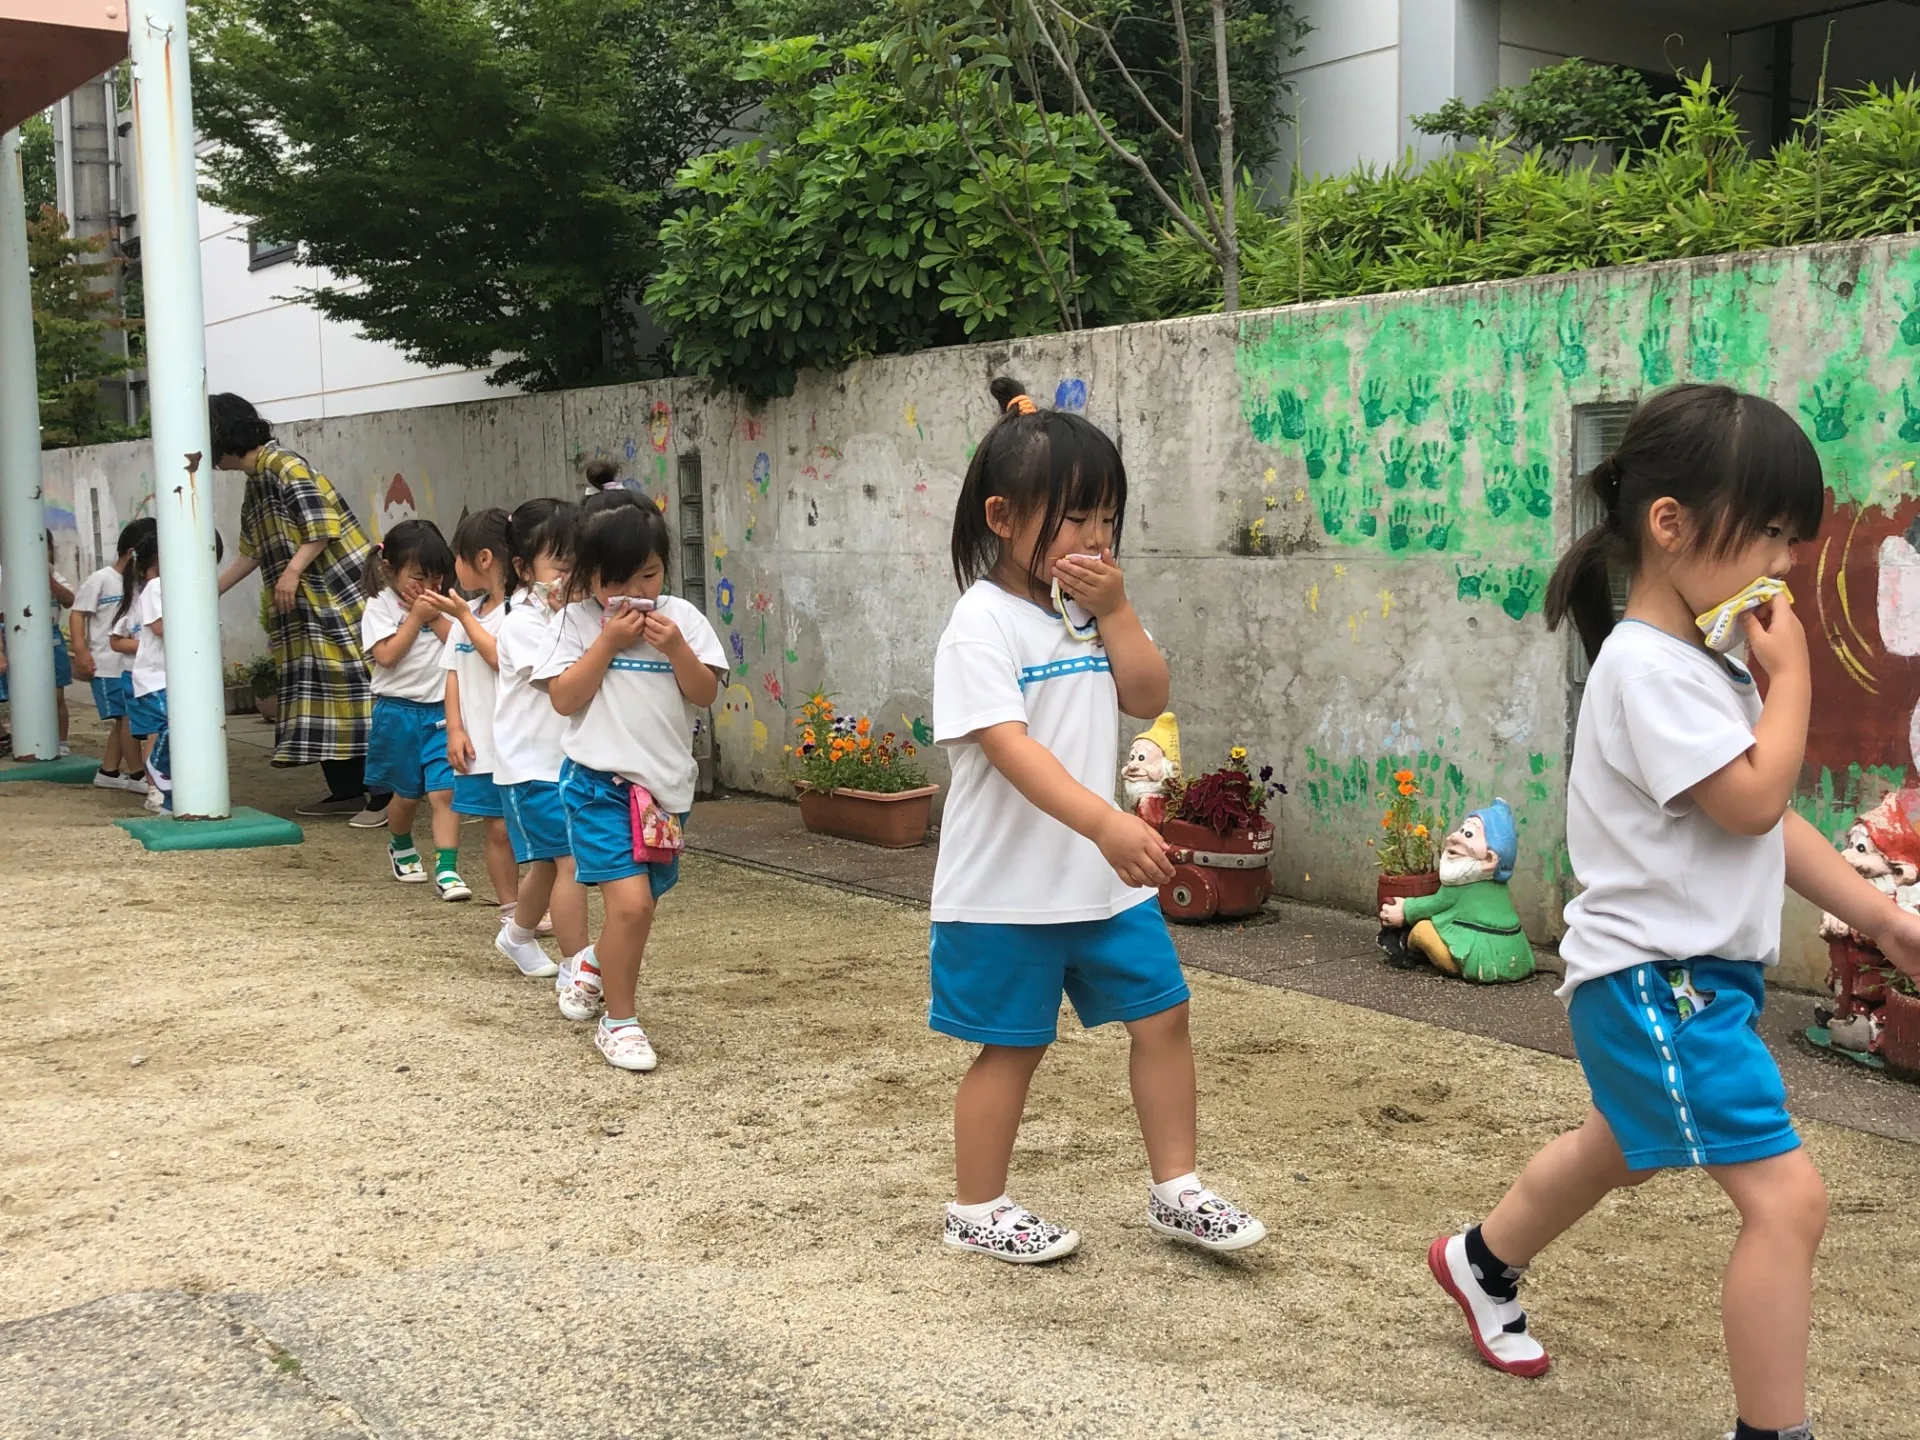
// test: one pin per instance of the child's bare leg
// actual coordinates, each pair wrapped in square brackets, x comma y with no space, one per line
[501,870]
[568,905]
[986,1118]
[1560,1184]
[1766,1302]
[66,716]
[533,892]
[400,813]
[110,756]
[1160,1070]
[623,941]
[446,824]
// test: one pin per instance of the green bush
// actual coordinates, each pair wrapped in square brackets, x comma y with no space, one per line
[1495,214]
[862,224]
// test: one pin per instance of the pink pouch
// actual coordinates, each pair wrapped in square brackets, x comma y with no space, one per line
[656,834]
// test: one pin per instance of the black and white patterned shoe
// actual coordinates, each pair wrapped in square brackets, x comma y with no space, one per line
[1203,1218]
[1012,1234]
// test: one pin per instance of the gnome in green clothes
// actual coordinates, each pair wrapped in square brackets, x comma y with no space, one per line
[1469,929]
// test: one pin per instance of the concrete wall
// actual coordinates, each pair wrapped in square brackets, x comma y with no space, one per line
[1342,521]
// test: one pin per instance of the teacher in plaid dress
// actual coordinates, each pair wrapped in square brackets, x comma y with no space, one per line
[305,541]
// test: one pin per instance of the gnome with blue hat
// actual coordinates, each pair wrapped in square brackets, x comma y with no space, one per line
[1469,929]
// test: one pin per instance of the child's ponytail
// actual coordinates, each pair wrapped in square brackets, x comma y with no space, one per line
[1581,588]
[142,537]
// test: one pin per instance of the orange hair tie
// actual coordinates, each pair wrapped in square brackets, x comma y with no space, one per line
[1021,405]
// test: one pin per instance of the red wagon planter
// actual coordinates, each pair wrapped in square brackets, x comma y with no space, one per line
[1857,976]
[1216,876]
[1900,1034]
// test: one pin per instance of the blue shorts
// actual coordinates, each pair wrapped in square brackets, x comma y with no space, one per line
[146,714]
[111,694]
[476,795]
[600,830]
[536,821]
[1702,1090]
[407,748]
[62,669]
[1001,984]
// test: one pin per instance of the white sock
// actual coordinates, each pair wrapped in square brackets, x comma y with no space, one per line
[1168,1191]
[517,936]
[978,1214]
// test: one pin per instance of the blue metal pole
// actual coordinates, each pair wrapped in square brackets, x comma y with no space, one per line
[177,385]
[24,593]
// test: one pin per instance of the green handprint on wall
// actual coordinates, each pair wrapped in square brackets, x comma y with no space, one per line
[1399,527]
[1517,344]
[1499,491]
[1395,458]
[1349,448]
[1459,415]
[1522,592]
[1335,506]
[1909,427]
[1506,428]
[1910,322]
[1293,415]
[1369,522]
[1706,346]
[1469,586]
[1373,404]
[1439,526]
[1539,491]
[1572,358]
[1419,399]
[1316,452]
[1655,364]
[1828,411]
[1434,458]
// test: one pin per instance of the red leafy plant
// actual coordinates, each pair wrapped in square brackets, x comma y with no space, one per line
[1228,799]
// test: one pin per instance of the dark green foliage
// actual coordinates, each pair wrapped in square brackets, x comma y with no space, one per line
[862,223]
[36,162]
[1560,106]
[71,320]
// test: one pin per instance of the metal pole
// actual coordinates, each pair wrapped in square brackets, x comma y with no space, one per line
[24,594]
[177,385]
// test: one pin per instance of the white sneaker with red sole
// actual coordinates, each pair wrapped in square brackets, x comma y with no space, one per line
[1499,1327]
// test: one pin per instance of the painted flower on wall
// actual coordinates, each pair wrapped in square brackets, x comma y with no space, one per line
[723,596]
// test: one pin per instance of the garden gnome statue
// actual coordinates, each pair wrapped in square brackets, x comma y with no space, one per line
[1152,765]
[1884,849]
[1469,928]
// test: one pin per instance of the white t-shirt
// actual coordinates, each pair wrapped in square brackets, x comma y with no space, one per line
[477,686]
[418,676]
[528,733]
[1002,861]
[97,598]
[1663,881]
[638,725]
[149,665]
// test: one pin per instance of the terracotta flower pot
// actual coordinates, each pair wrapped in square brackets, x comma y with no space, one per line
[1900,1035]
[1404,887]
[897,821]
[1216,876]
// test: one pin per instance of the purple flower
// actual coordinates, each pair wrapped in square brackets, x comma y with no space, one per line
[1266,773]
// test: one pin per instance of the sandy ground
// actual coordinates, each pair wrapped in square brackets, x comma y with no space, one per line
[339,1083]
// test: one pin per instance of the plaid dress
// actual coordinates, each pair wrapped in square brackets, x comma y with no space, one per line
[326,699]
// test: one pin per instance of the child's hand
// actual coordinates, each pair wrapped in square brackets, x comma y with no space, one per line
[1135,850]
[1779,641]
[450,602]
[83,665]
[1899,940]
[624,628]
[1097,584]
[662,634]
[460,752]
[424,607]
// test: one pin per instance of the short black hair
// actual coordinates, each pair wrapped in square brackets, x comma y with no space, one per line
[539,527]
[234,427]
[1038,461]
[614,497]
[482,530]
[411,542]
[614,544]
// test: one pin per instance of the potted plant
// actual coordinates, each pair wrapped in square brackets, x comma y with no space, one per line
[1900,1032]
[239,689]
[1405,849]
[1220,841]
[857,785]
[264,675]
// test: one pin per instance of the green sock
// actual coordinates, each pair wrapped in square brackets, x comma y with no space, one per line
[446,862]
[400,844]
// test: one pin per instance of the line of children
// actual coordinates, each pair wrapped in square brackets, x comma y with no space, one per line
[139,633]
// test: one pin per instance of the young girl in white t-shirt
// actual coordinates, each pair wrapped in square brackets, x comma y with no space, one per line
[469,657]
[105,669]
[527,736]
[630,667]
[1680,828]
[1043,885]
[403,632]
[138,634]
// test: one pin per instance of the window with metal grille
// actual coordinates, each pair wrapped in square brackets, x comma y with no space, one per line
[693,529]
[1596,434]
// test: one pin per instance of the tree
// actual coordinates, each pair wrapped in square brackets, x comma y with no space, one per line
[1561,106]
[490,173]
[862,222]
[71,317]
[36,162]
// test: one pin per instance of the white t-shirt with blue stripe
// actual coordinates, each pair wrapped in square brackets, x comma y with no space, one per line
[1002,861]
[638,725]
[479,683]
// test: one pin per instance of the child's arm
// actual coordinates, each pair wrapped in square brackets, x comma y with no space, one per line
[459,744]
[1133,847]
[1139,669]
[124,644]
[694,676]
[455,607]
[580,682]
[158,626]
[390,651]
[79,624]
[1749,796]
[61,591]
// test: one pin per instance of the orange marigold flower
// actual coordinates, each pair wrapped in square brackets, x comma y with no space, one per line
[1386,822]
[1403,776]
[864,726]
[1421,831]
[1406,787]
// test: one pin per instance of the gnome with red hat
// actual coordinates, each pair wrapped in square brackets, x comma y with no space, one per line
[1884,849]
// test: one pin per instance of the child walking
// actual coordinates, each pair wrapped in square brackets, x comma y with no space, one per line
[104,668]
[1679,827]
[527,735]
[139,633]
[471,653]
[1044,886]
[629,666]
[403,632]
